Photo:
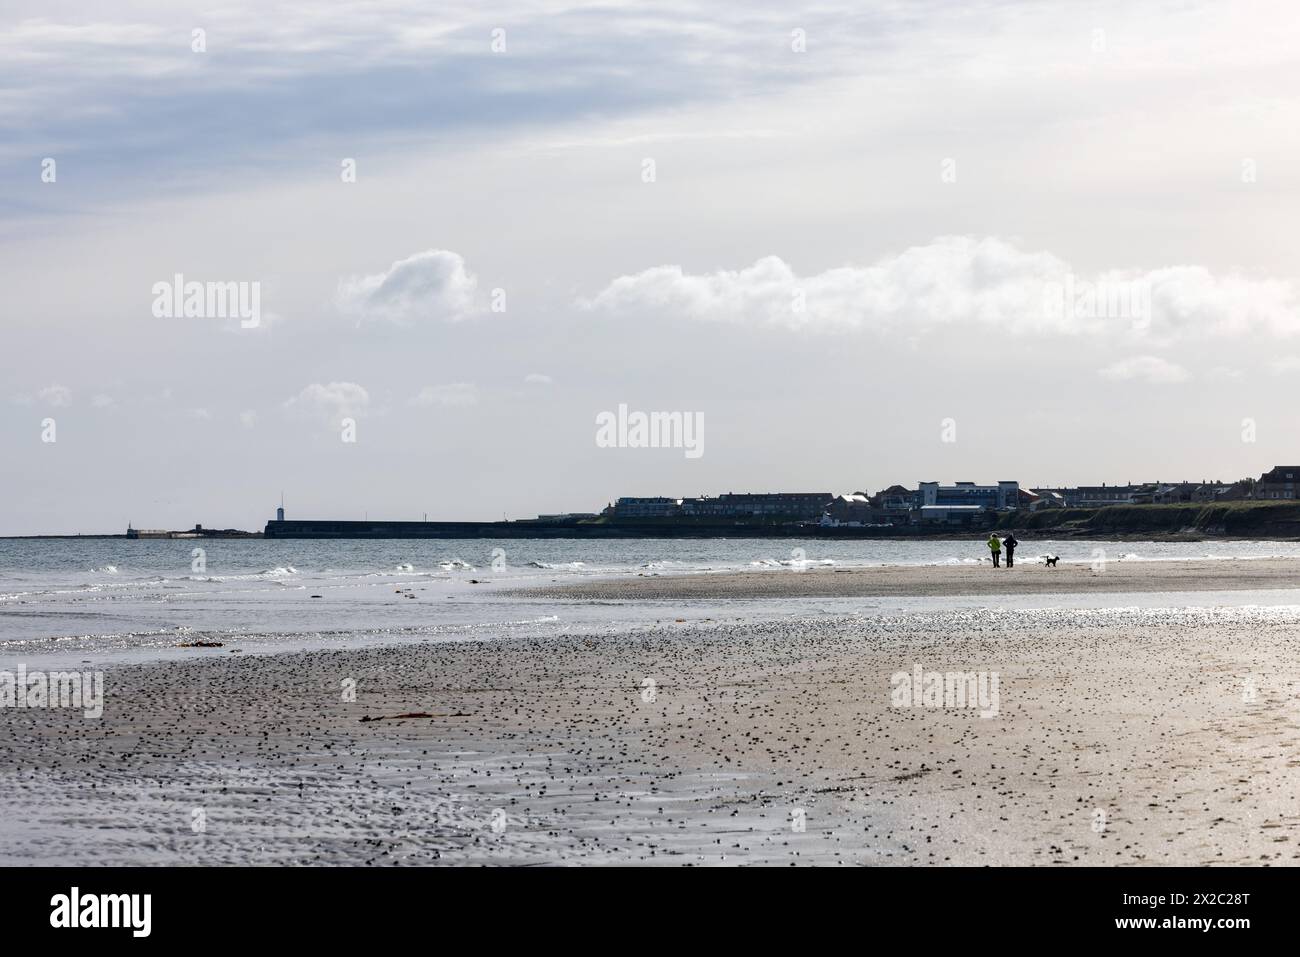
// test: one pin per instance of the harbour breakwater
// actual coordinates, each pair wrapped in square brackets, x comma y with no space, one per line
[533,529]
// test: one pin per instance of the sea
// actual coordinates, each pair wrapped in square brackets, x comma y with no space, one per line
[127,600]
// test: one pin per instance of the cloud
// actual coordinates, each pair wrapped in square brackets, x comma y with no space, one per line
[453,395]
[1150,369]
[536,378]
[968,281]
[1191,301]
[646,139]
[248,418]
[90,80]
[1223,374]
[102,401]
[334,401]
[1284,365]
[56,395]
[429,286]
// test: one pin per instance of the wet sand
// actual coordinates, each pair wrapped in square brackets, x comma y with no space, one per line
[937,580]
[1122,736]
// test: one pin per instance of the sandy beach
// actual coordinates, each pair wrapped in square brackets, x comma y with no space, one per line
[1118,735]
[1104,577]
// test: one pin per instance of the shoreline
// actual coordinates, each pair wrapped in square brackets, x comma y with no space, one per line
[1172,575]
[819,533]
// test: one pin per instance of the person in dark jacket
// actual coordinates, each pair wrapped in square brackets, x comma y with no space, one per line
[1010,543]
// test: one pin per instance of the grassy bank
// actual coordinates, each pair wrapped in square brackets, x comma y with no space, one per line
[1231,519]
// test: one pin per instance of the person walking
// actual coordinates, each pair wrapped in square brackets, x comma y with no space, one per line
[995,546]
[1010,544]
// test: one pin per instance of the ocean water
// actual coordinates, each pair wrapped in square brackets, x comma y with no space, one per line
[119,599]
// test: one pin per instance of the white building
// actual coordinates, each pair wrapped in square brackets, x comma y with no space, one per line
[1001,495]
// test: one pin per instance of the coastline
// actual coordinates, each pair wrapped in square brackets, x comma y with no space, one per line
[1112,576]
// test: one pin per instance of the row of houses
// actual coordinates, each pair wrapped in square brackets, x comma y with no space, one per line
[964,502]
[1280,482]
[957,504]
[1147,493]
[774,506]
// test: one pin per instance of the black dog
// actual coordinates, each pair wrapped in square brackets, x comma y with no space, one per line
[1052,560]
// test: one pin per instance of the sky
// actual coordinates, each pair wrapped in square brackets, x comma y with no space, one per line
[860,244]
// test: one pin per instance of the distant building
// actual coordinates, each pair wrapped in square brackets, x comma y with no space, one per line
[1211,492]
[854,509]
[951,514]
[658,507]
[1099,496]
[790,506]
[999,496]
[1047,498]
[774,506]
[1175,494]
[895,499]
[1028,499]
[1236,492]
[1281,481]
[963,502]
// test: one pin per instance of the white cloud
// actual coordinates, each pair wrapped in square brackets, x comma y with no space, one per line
[1190,300]
[102,401]
[55,395]
[536,378]
[964,280]
[1283,365]
[429,286]
[646,139]
[1150,369]
[248,418]
[334,401]
[1223,374]
[456,394]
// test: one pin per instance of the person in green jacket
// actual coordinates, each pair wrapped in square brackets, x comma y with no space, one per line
[995,546]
